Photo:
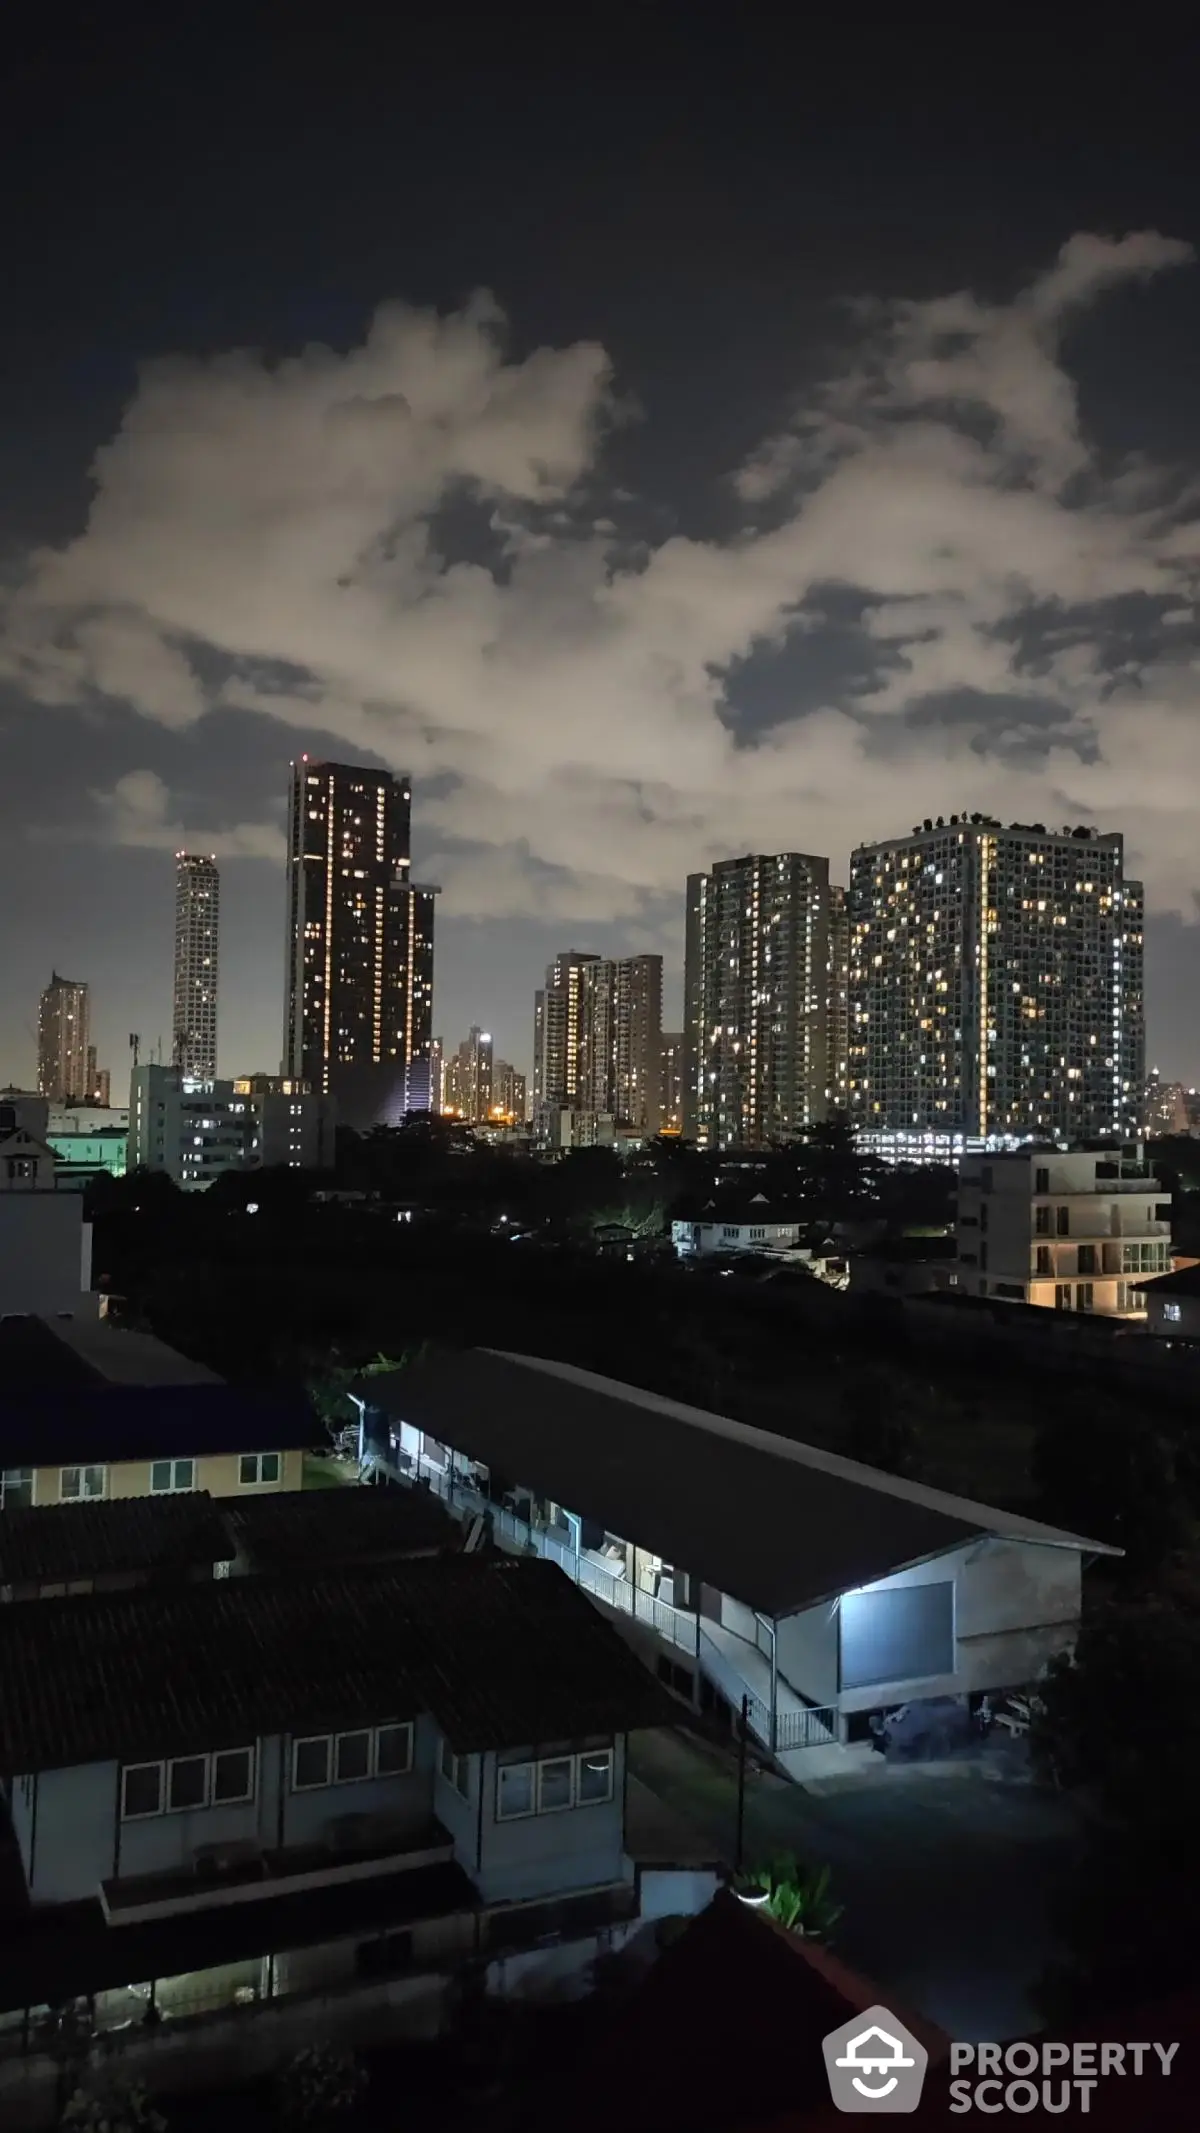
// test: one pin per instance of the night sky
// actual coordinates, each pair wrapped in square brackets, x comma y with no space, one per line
[682,448]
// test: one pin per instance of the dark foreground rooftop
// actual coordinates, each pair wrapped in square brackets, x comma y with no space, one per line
[120,1536]
[295,1528]
[504,1652]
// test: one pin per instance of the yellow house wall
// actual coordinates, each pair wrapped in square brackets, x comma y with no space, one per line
[218,1475]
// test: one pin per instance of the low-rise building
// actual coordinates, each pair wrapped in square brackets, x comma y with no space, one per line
[92,1409]
[80,1157]
[354,1783]
[45,1244]
[748,1229]
[1072,1231]
[110,1544]
[1172,1303]
[746,1565]
[195,1131]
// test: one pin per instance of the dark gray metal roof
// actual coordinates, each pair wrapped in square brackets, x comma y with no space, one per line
[775,1524]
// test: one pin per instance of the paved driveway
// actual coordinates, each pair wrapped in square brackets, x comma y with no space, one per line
[946,1871]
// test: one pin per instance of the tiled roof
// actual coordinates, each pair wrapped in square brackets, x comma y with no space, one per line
[502,1651]
[340,1525]
[125,1534]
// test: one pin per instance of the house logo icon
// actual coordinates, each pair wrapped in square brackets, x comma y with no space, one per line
[875,2064]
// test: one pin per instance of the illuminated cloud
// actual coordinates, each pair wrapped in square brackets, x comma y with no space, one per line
[411,548]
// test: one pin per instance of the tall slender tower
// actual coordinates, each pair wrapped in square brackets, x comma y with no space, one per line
[756,1000]
[359,1015]
[621,1040]
[197,941]
[63,1032]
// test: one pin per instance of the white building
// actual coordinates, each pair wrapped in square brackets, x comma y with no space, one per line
[1074,1232]
[197,1130]
[755,1233]
[45,1244]
[757,1567]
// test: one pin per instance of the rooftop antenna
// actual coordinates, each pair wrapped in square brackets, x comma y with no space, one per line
[135,1046]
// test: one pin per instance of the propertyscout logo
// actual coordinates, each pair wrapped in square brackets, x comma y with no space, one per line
[875,2064]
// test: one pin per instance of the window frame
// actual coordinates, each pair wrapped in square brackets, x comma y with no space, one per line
[173,1487]
[312,1740]
[357,1777]
[186,1807]
[142,1814]
[13,1478]
[451,1765]
[556,1762]
[233,1799]
[395,1725]
[83,1495]
[518,1814]
[609,1756]
[258,1479]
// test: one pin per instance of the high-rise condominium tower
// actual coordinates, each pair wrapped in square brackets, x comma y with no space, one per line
[837,992]
[467,1078]
[756,985]
[996,982]
[63,1019]
[598,1038]
[672,1080]
[359,1015]
[197,941]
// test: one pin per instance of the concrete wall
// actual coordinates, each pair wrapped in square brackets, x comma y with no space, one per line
[738,1618]
[583,1847]
[45,1255]
[218,1475]
[71,1821]
[806,1647]
[1015,1606]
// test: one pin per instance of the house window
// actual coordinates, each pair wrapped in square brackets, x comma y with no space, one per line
[77,1484]
[168,1477]
[1084,1296]
[1043,1260]
[232,1776]
[516,1791]
[393,1750]
[456,1769]
[1062,1221]
[1086,1259]
[1041,1181]
[141,1791]
[20,1168]
[256,1467]
[346,1758]
[1062,1296]
[1041,1221]
[1174,1312]
[351,1758]
[16,1488]
[594,1782]
[310,1763]
[187,1783]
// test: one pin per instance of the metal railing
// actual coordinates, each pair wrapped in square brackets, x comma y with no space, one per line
[805,1728]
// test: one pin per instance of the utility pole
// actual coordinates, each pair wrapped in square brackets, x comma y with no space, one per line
[743,1730]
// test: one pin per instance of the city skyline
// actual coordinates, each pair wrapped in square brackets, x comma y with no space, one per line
[866,516]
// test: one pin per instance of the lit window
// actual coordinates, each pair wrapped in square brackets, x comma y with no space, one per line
[1173,1311]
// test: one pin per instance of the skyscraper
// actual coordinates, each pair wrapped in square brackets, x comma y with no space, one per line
[558,1032]
[621,1040]
[467,1078]
[598,1038]
[756,983]
[996,982]
[837,994]
[508,1093]
[359,1016]
[63,1030]
[197,941]
[672,1081]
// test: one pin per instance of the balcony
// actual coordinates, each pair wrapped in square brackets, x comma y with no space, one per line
[358,1848]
